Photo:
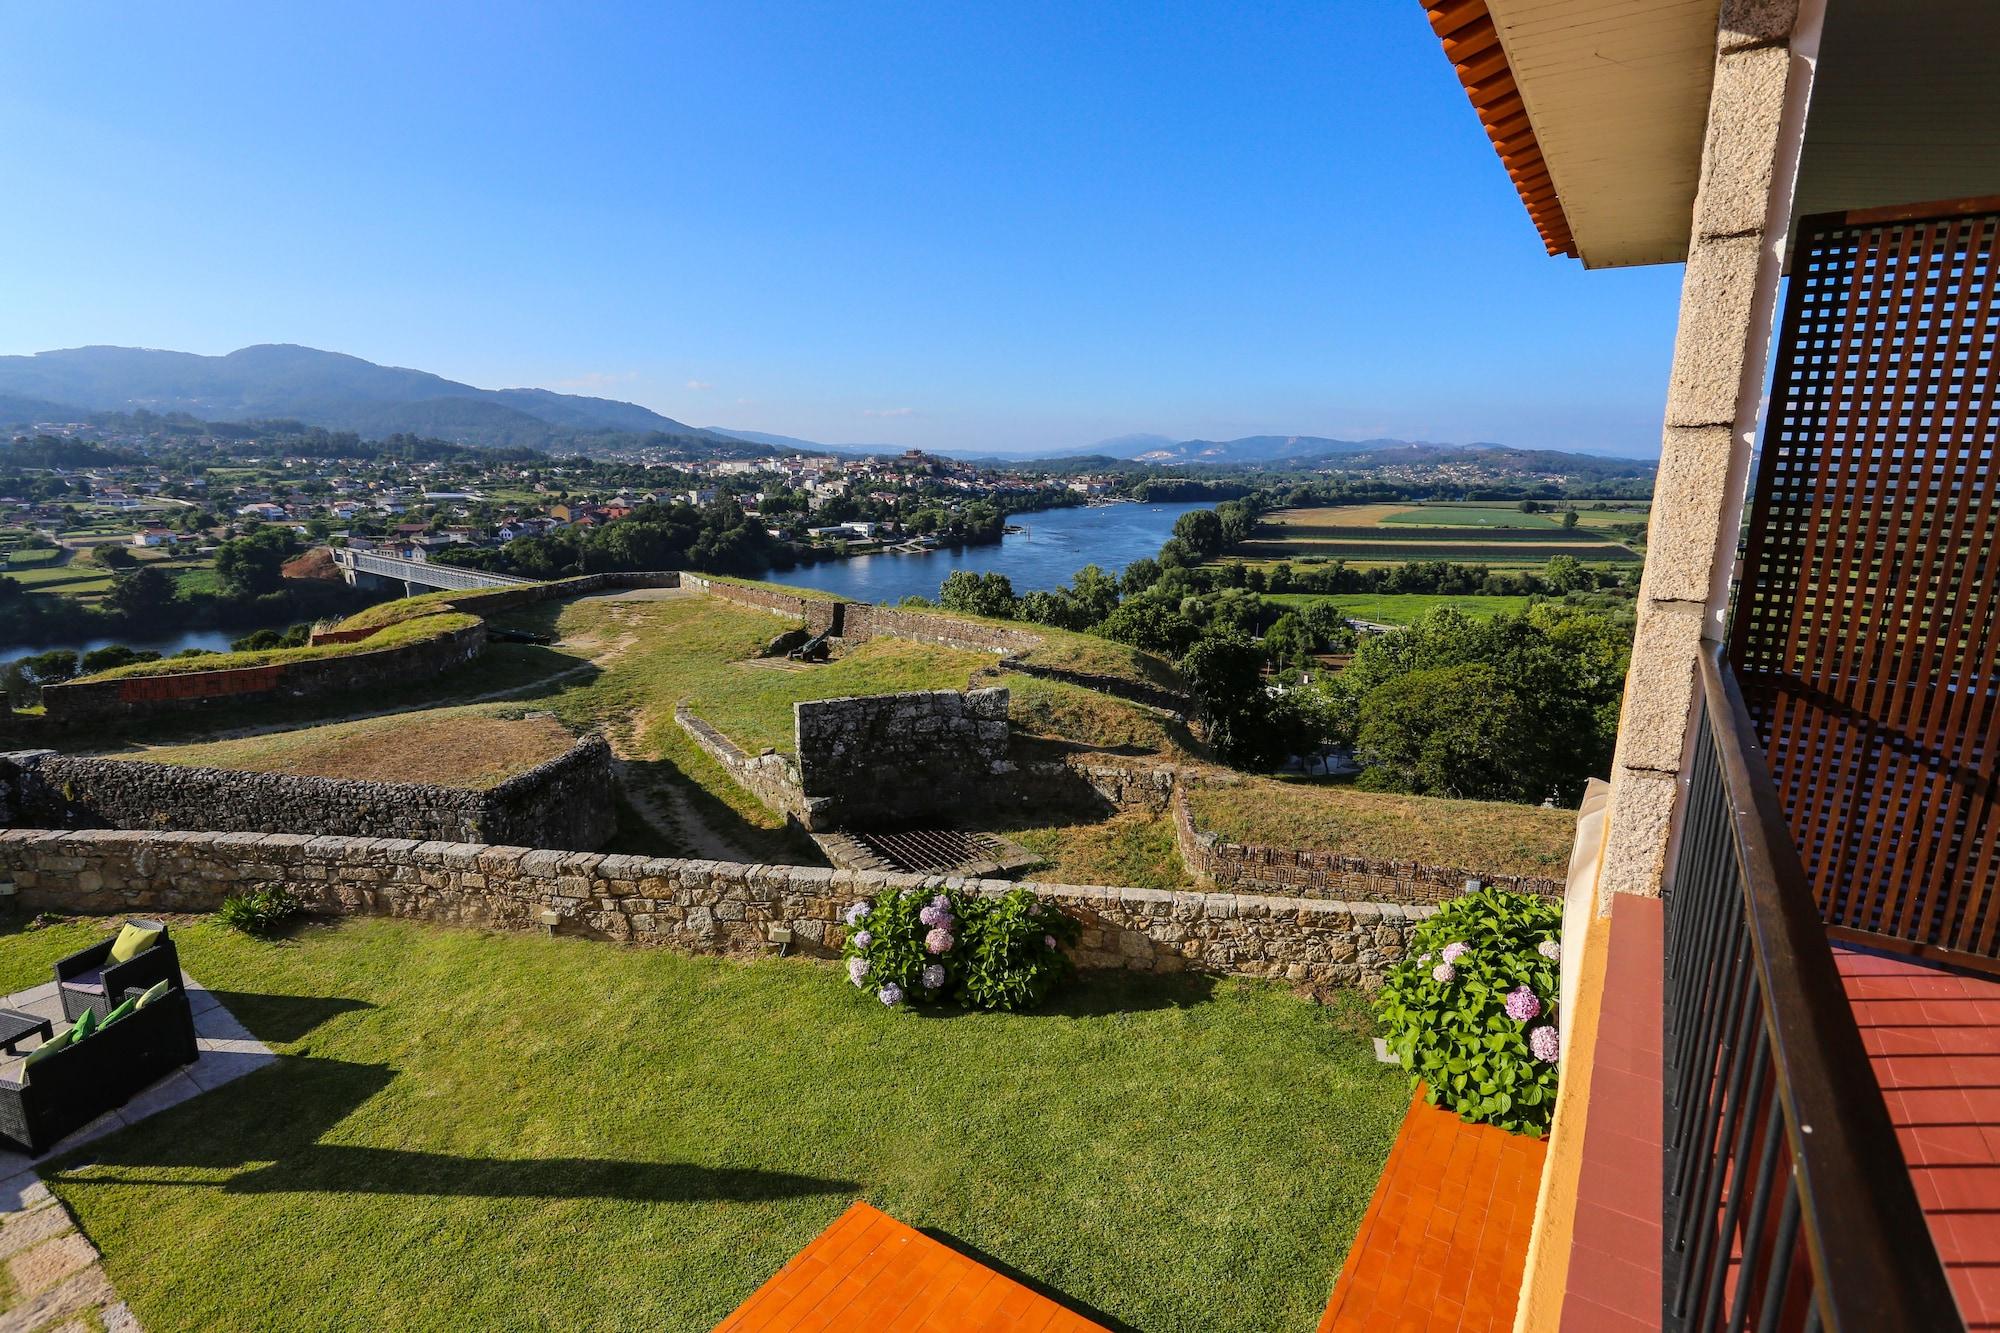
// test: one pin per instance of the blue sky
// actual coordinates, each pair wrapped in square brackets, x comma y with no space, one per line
[1006,226]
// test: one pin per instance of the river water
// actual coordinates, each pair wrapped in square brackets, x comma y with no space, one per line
[1055,544]
[1052,546]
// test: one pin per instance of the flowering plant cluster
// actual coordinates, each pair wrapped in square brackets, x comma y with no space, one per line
[1471,1011]
[999,952]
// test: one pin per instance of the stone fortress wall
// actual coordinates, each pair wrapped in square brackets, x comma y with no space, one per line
[565,802]
[697,906]
[1259,869]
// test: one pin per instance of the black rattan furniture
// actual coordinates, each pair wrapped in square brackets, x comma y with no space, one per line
[16,1026]
[67,1089]
[90,980]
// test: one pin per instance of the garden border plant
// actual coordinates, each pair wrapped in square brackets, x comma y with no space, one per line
[1471,1010]
[985,951]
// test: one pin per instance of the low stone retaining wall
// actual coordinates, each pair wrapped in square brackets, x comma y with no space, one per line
[565,802]
[770,777]
[140,696]
[865,620]
[699,906]
[1328,874]
[819,614]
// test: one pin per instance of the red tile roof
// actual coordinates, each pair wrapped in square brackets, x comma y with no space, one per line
[1473,46]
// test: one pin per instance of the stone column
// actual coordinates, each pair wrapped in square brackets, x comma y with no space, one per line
[1765,51]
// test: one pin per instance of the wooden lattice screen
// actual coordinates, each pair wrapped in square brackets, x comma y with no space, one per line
[1865,638]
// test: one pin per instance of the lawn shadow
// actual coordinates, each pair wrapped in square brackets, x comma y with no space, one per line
[787,845]
[1099,992]
[272,1120]
[285,1018]
[1040,1288]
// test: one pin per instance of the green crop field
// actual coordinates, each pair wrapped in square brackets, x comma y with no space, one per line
[1402,608]
[1319,532]
[1490,552]
[1470,516]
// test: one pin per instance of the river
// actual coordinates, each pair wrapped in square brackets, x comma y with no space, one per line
[1053,545]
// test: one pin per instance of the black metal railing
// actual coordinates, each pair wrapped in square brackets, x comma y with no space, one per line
[1788,1204]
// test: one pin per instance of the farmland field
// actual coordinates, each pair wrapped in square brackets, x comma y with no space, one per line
[1401,608]
[1493,534]
[1471,516]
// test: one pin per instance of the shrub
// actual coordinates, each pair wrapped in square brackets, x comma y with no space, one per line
[1010,950]
[1471,1011]
[262,911]
[1002,952]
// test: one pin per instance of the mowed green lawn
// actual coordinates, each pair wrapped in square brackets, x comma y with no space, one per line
[474,1131]
[1402,608]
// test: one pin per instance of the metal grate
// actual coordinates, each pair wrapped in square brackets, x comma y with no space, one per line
[930,851]
[1865,635]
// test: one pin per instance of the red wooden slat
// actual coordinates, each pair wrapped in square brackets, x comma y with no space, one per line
[1865,635]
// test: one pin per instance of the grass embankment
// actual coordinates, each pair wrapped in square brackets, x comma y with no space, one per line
[1492,837]
[394,636]
[406,609]
[1134,850]
[508,1132]
[476,747]
[1066,712]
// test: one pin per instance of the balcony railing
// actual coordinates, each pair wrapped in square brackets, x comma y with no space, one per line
[1788,1205]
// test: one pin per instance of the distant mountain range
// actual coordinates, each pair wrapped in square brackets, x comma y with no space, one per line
[281,381]
[274,381]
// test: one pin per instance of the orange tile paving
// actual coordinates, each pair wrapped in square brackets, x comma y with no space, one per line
[1613,1281]
[1933,1037]
[1443,1244]
[868,1273]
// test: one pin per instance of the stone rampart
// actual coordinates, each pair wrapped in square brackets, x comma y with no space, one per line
[1314,874]
[864,620]
[699,906]
[565,802]
[139,696]
[820,614]
[770,776]
[887,758]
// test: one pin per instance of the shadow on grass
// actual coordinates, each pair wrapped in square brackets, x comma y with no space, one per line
[1099,993]
[273,1120]
[285,1018]
[788,845]
[1042,1289]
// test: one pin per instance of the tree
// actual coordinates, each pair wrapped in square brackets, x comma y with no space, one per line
[1570,519]
[1566,574]
[115,655]
[977,594]
[1448,731]
[255,565]
[1225,676]
[1200,530]
[141,595]
[23,678]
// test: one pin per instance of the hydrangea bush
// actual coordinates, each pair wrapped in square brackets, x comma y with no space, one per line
[999,952]
[1471,1011]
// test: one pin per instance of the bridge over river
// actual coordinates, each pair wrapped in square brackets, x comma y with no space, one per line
[367,568]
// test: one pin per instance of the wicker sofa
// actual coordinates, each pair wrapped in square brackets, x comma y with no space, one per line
[67,1089]
[88,979]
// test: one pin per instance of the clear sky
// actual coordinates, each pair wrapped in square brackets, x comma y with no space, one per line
[1003,226]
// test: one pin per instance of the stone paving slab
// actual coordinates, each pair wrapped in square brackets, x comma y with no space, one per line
[57,1280]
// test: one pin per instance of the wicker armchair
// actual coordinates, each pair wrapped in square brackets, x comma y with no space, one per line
[89,980]
[67,1089]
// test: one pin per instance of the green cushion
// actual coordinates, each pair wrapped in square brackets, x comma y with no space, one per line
[49,1047]
[154,992]
[84,1026]
[132,941]
[125,1006]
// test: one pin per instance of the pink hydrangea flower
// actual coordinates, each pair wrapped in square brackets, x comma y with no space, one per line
[1550,950]
[1522,1004]
[939,940]
[1444,972]
[1423,960]
[1456,950]
[1049,941]
[936,912]
[891,995]
[857,970]
[933,976]
[863,938]
[856,912]
[1546,1044]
